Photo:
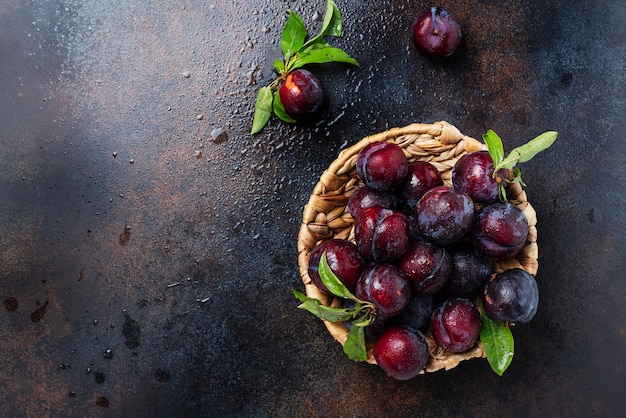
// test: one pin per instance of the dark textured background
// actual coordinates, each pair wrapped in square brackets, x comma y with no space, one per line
[121,207]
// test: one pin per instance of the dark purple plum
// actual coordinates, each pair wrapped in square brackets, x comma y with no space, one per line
[365,197]
[444,215]
[417,313]
[470,271]
[386,287]
[427,265]
[343,258]
[500,230]
[473,175]
[436,33]
[422,176]
[382,165]
[455,325]
[511,297]
[401,352]
[302,95]
[382,235]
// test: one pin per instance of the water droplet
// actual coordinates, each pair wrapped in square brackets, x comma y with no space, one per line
[108,354]
[218,135]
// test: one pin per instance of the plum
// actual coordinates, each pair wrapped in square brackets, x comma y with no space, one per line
[436,33]
[401,352]
[302,95]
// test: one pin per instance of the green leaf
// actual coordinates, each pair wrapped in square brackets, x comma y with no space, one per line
[321,56]
[332,282]
[279,109]
[315,307]
[294,34]
[279,66]
[495,147]
[355,344]
[527,151]
[332,25]
[498,344]
[262,109]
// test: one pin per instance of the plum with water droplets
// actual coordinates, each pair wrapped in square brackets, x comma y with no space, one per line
[436,33]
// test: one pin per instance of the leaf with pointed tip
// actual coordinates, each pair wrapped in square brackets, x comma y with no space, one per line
[527,151]
[354,346]
[332,25]
[279,109]
[294,34]
[315,307]
[321,56]
[494,146]
[498,344]
[262,109]
[331,281]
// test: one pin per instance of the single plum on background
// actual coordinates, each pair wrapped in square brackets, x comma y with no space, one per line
[436,33]
[302,95]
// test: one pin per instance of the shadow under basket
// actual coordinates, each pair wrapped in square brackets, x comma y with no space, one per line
[325,216]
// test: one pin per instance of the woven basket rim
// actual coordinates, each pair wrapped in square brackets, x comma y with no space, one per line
[325,215]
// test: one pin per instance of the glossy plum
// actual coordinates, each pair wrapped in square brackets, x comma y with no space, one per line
[436,33]
[343,258]
[382,235]
[382,165]
[455,325]
[418,312]
[500,230]
[421,177]
[427,265]
[511,296]
[365,197]
[302,95]
[401,352]
[470,271]
[444,215]
[386,287]
[473,174]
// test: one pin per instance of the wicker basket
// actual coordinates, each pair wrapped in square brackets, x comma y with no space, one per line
[325,216]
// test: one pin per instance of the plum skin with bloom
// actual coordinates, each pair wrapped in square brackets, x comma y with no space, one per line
[302,95]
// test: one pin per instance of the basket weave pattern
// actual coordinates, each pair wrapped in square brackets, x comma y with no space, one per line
[325,216]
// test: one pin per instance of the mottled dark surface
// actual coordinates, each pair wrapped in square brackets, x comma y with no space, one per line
[148,242]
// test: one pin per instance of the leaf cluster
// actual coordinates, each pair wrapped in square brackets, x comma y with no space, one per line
[298,51]
[361,314]
[518,155]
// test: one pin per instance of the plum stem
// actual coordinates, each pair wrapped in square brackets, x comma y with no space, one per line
[433,11]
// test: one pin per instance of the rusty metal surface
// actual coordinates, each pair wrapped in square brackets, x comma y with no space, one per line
[148,242]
